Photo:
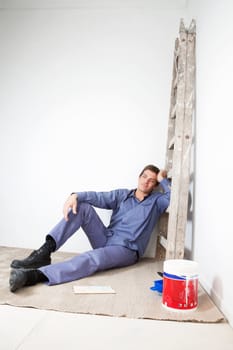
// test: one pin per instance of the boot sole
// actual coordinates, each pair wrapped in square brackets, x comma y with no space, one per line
[32,266]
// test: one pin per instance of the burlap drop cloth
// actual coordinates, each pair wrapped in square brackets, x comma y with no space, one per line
[133,297]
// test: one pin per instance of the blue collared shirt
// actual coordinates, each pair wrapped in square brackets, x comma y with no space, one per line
[132,221]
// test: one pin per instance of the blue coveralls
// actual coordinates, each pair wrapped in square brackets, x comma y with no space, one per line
[119,244]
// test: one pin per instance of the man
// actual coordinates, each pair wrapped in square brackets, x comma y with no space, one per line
[121,243]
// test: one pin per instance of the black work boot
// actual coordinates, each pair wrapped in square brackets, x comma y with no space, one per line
[37,258]
[20,278]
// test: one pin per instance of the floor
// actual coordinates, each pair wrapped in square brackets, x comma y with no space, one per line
[25,328]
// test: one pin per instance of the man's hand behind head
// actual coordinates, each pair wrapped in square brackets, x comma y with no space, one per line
[162,175]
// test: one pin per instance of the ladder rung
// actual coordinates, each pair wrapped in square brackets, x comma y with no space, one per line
[163,241]
[173,112]
[175,81]
[171,143]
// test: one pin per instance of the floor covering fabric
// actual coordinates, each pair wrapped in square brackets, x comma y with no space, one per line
[133,297]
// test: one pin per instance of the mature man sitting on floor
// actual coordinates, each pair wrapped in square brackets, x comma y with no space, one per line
[134,215]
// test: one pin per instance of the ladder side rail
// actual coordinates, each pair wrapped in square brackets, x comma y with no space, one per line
[187,144]
[178,148]
[163,221]
[172,111]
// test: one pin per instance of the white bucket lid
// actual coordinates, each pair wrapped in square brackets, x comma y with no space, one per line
[181,267]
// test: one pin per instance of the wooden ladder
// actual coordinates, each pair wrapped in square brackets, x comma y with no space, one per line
[172,224]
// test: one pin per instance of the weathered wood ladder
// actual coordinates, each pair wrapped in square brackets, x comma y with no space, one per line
[172,225]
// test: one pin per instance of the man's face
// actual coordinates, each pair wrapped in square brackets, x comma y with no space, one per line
[147,181]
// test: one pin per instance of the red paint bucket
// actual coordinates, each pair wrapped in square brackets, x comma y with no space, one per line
[180,284]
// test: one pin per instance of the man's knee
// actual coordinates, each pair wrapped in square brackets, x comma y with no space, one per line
[85,209]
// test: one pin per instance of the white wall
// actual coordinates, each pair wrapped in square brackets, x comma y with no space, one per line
[85,89]
[213,186]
